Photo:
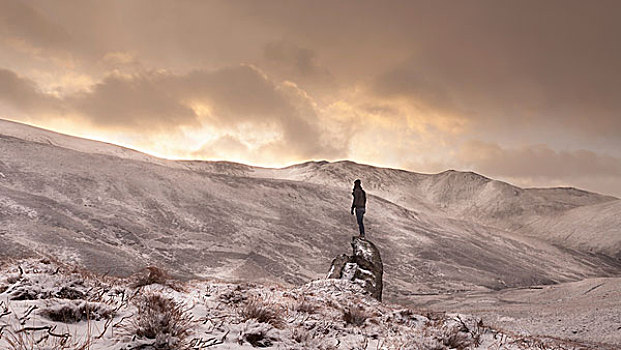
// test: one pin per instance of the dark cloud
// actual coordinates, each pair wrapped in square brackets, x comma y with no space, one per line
[299,60]
[24,94]
[537,161]
[414,85]
[541,166]
[518,64]
[19,20]
[238,94]
[142,101]
[552,63]
[289,61]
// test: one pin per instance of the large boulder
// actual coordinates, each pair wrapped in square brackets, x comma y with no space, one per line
[364,267]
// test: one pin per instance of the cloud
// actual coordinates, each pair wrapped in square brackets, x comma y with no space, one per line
[23,94]
[539,164]
[21,21]
[231,100]
[299,60]
[510,66]
[537,160]
[406,82]
[133,102]
[289,61]
[501,66]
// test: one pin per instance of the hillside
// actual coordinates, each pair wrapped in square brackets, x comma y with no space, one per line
[113,211]
[584,228]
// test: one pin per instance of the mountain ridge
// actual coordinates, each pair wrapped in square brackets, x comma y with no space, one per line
[39,134]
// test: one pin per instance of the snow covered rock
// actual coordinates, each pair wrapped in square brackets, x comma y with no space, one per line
[364,267]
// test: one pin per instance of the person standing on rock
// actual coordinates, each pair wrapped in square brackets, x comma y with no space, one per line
[359,204]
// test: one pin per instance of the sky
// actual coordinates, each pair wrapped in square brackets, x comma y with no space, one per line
[522,91]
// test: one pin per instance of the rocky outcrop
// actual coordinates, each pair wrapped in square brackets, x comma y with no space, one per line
[364,267]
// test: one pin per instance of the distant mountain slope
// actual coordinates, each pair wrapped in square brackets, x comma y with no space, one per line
[584,228]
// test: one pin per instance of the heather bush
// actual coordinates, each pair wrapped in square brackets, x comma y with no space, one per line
[161,319]
[153,275]
[261,311]
[355,315]
[77,311]
[305,306]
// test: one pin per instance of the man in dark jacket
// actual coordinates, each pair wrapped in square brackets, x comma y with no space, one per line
[359,204]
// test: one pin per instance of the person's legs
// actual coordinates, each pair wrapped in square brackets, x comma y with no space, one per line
[359,216]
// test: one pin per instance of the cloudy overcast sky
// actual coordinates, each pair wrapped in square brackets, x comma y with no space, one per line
[524,91]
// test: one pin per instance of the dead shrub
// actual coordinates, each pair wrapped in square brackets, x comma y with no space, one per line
[333,304]
[458,333]
[73,312]
[162,319]
[305,306]
[355,315]
[27,290]
[69,293]
[21,340]
[153,275]
[263,312]
[301,335]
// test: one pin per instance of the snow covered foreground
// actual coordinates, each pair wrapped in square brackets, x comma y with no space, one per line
[47,305]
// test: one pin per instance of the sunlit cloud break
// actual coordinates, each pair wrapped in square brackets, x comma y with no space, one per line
[499,89]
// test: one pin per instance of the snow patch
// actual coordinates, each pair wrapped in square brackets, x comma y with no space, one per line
[349,270]
[17,209]
[364,250]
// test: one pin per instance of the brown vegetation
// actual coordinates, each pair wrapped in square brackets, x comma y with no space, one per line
[161,319]
[355,315]
[256,308]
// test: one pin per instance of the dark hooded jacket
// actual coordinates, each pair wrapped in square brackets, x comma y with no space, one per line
[360,198]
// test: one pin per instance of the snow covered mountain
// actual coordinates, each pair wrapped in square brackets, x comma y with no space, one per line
[115,210]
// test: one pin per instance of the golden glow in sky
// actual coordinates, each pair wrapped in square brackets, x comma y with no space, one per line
[425,86]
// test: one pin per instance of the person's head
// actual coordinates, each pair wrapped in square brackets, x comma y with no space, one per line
[357,183]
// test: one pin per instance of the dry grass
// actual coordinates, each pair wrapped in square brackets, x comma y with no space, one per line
[161,319]
[355,315]
[23,340]
[305,306]
[73,312]
[256,308]
[154,275]
[301,335]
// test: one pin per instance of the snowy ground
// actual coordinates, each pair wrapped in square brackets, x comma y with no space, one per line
[44,305]
[588,310]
